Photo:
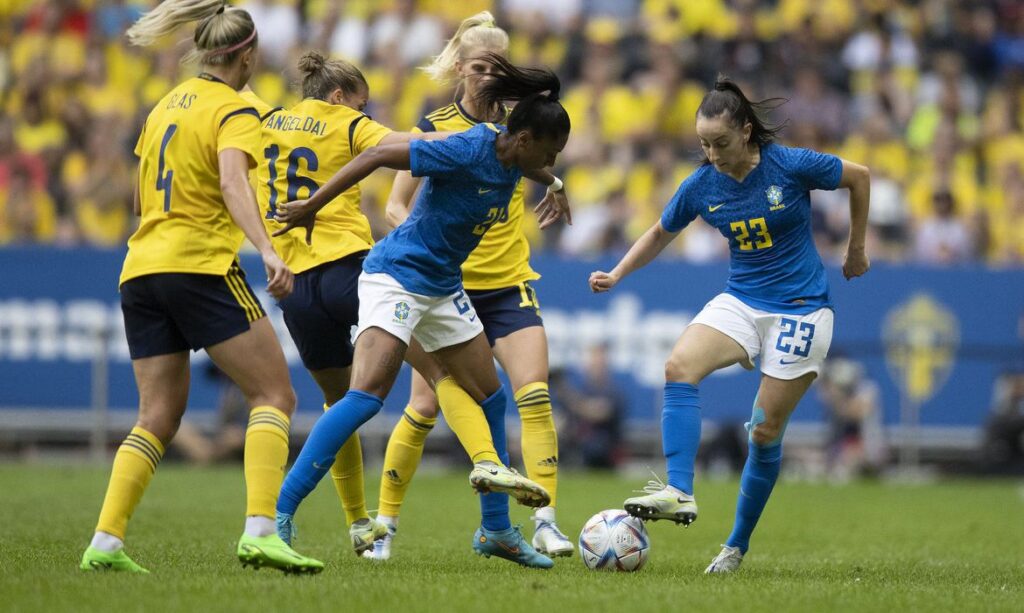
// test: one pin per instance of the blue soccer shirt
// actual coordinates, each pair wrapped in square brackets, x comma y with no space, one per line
[774,265]
[466,191]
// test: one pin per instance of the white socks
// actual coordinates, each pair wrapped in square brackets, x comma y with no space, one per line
[107,543]
[387,520]
[257,525]
[544,514]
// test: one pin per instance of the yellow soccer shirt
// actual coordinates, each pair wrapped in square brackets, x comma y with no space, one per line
[301,149]
[502,259]
[185,225]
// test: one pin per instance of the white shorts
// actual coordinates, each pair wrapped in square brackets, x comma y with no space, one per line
[790,346]
[435,322]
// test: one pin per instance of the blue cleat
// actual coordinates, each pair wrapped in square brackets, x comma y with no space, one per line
[285,527]
[510,545]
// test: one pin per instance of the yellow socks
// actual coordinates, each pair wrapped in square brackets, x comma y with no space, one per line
[466,419]
[540,442]
[266,453]
[402,458]
[347,473]
[134,466]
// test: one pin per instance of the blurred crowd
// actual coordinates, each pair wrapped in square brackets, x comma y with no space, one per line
[928,93]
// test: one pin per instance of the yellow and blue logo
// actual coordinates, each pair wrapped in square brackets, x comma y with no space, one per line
[921,340]
[401,311]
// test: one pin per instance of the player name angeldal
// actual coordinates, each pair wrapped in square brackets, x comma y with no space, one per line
[295,123]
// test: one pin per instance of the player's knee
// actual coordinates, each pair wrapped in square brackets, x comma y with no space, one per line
[679,369]
[424,407]
[281,399]
[765,433]
[161,425]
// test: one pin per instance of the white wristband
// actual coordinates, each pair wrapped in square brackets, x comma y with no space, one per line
[556,185]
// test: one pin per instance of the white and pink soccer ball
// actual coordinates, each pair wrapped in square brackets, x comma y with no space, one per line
[614,540]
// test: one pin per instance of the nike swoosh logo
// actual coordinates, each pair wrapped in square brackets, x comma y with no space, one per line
[712,209]
[781,361]
[513,550]
[473,318]
[484,191]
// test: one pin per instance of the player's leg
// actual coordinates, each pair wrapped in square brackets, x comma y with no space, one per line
[402,458]
[267,388]
[714,340]
[792,356]
[163,382]
[523,354]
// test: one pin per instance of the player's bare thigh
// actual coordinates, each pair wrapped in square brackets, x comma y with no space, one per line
[700,351]
[377,361]
[163,382]
[524,356]
[255,362]
[333,382]
[778,399]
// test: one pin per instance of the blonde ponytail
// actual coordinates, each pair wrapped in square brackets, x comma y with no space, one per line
[221,34]
[476,31]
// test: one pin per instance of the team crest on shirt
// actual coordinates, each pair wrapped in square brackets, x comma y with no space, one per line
[774,194]
[401,312]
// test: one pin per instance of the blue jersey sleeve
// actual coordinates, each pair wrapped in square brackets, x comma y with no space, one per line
[678,214]
[435,158]
[815,170]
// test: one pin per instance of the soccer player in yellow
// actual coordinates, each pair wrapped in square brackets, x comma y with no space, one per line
[182,287]
[497,279]
[301,148]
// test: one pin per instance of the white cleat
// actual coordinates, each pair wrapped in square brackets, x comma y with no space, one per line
[549,540]
[662,502]
[727,561]
[381,549]
[489,477]
[364,533]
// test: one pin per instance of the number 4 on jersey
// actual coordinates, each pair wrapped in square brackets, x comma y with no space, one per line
[163,182]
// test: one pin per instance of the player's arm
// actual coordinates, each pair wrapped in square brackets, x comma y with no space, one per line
[857,179]
[241,204]
[401,198]
[639,255]
[302,213]
[555,203]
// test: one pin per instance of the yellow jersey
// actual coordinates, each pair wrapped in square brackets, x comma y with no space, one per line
[185,225]
[502,259]
[301,148]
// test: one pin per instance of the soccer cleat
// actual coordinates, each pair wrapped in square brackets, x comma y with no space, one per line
[510,545]
[364,533]
[272,552]
[727,561]
[382,546]
[94,559]
[286,530]
[489,477]
[549,540]
[661,502]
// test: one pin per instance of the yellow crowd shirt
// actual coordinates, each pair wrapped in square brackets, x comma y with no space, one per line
[301,148]
[185,225]
[502,259]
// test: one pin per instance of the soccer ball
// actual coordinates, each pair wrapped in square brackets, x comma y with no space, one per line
[614,540]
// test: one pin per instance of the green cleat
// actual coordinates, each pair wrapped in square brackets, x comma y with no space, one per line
[272,552]
[94,559]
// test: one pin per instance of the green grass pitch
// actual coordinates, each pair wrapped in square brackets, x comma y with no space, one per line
[862,547]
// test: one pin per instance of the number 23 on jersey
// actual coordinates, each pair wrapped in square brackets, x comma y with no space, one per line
[751,234]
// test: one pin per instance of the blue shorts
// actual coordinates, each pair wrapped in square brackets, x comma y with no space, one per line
[321,310]
[171,312]
[506,310]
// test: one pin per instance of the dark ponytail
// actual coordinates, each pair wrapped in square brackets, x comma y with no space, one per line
[536,91]
[728,98]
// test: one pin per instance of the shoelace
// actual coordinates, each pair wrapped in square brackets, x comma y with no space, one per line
[653,486]
[288,524]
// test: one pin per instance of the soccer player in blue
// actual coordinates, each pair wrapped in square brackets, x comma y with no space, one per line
[776,304]
[411,286]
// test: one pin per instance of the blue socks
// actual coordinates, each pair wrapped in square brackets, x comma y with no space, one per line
[494,506]
[328,435]
[759,476]
[680,433]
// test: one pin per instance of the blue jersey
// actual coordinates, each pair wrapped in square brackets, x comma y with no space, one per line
[466,191]
[773,263]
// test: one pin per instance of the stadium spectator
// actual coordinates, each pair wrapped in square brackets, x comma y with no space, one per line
[855,445]
[943,238]
[596,409]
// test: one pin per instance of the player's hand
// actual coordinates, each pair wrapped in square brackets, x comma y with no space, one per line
[553,207]
[296,214]
[279,276]
[855,263]
[602,281]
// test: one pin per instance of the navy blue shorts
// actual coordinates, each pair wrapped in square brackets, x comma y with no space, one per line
[321,310]
[171,312]
[506,310]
